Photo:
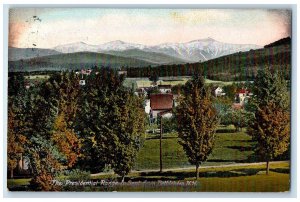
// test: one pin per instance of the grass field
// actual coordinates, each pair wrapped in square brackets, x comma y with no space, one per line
[145,82]
[37,77]
[228,179]
[229,148]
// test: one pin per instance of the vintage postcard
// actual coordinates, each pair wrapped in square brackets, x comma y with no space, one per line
[149,100]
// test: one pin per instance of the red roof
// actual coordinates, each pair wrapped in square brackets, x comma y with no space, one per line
[243,91]
[161,101]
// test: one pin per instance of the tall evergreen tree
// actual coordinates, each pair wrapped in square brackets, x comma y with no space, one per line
[197,122]
[270,87]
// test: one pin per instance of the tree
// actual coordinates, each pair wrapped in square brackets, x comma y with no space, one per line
[271,129]
[197,121]
[43,154]
[270,87]
[50,113]
[169,124]
[110,122]
[66,141]
[15,135]
[130,126]
[154,78]
[240,118]
[15,142]
[16,84]
[176,89]
[64,90]
[271,125]
[230,91]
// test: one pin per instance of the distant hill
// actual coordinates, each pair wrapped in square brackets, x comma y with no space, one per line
[153,57]
[235,67]
[27,53]
[72,61]
[284,41]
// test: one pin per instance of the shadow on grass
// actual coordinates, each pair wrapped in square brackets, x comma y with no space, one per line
[226,131]
[170,175]
[250,159]
[158,137]
[241,148]
[281,170]
[241,140]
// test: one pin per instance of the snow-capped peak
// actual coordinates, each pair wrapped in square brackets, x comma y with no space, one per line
[193,51]
[75,47]
[119,45]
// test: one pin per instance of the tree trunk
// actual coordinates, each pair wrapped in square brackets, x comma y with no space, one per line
[123,178]
[160,146]
[11,173]
[197,171]
[267,168]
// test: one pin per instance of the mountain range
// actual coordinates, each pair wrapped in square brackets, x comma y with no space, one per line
[192,51]
[166,53]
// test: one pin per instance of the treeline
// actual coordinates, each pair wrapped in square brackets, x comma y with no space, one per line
[284,41]
[235,67]
[59,125]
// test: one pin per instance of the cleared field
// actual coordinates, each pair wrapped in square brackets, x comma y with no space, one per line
[37,77]
[145,82]
[229,148]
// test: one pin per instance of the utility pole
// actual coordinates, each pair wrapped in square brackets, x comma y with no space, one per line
[160,146]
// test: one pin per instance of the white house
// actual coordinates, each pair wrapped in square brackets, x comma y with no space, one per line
[242,96]
[164,88]
[218,91]
[122,72]
[147,106]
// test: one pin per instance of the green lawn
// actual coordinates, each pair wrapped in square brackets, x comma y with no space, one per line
[173,155]
[229,148]
[17,182]
[228,179]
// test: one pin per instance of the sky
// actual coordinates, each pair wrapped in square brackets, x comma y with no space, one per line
[58,26]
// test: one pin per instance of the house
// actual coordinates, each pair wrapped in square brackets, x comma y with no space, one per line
[161,103]
[27,84]
[121,72]
[165,88]
[147,106]
[84,72]
[141,92]
[218,91]
[242,96]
